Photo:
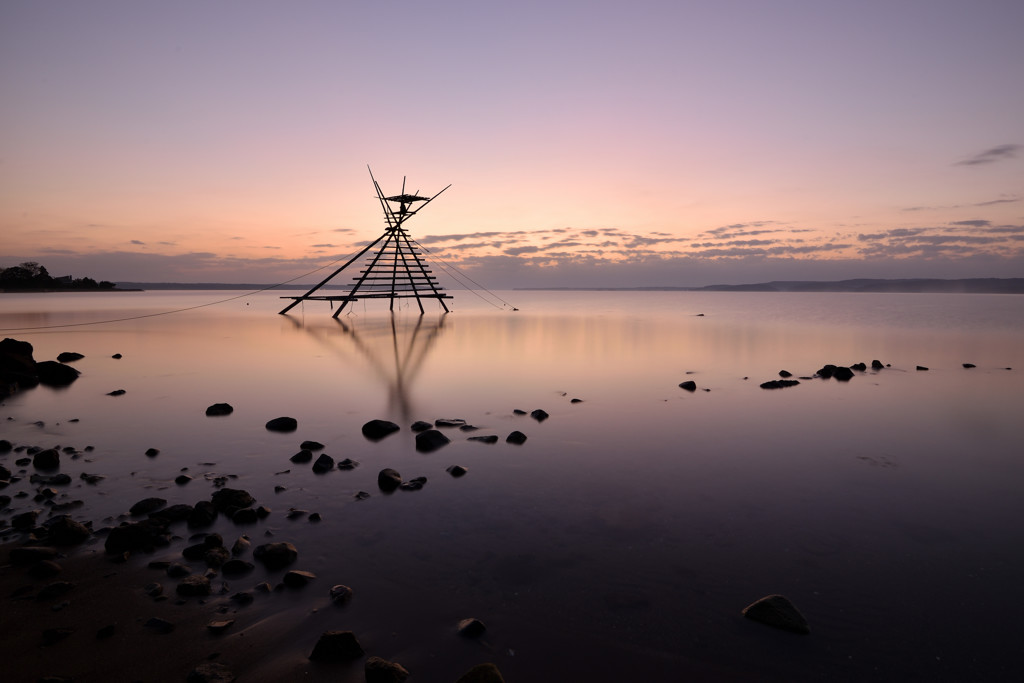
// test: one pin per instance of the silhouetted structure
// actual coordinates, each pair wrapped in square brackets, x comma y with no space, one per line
[397,269]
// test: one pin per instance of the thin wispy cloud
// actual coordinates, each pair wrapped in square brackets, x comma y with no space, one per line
[990,156]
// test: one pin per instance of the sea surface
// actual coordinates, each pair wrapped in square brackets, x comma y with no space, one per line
[623,539]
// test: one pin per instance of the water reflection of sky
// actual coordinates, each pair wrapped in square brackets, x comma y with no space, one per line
[641,519]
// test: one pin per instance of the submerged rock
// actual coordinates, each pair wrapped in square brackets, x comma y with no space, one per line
[303,456]
[420,426]
[471,628]
[228,500]
[218,409]
[430,440]
[483,673]
[324,463]
[777,611]
[193,585]
[283,424]
[375,430]
[311,445]
[69,357]
[147,505]
[456,470]
[54,374]
[48,459]
[336,646]
[340,594]
[688,385]
[380,670]
[876,365]
[779,383]
[492,438]
[539,415]
[388,479]
[276,555]
[516,438]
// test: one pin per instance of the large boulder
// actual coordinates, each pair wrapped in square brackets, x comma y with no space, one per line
[324,463]
[430,440]
[229,500]
[54,374]
[69,357]
[17,367]
[375,430]
[48,459]
[283,424]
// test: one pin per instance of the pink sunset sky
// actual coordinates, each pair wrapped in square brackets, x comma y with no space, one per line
[587,143]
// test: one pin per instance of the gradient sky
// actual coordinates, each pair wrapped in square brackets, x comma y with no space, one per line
[587,143]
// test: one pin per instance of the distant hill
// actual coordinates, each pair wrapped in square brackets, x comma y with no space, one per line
[989,285]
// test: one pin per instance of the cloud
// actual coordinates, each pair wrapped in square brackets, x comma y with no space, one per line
[516,251]
[324,246]
[974,223]
[137,242]
[996,201]
[990,156]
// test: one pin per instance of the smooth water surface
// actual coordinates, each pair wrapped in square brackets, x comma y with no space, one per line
[622,540]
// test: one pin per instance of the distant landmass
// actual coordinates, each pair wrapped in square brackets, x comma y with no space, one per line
[987,285]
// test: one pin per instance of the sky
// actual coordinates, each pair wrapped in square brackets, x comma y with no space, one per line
[587,143]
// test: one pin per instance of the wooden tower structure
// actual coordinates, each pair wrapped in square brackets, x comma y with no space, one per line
[396,270]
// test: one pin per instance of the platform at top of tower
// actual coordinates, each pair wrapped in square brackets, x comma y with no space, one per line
[406,198]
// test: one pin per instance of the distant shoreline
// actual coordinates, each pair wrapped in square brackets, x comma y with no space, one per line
[904,286]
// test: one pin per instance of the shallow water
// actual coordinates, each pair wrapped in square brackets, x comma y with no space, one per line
[624,537]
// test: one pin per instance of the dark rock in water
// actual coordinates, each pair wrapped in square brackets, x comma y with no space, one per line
[276,555]
[970,365]
[517,411]
[244,516]
[25,520]
[388,479]
[203,514]
[303,456]
[361,495]
[177,570]
[456,470]
[380,670]
[413,484]
[375,430]
[220,626]
[468,428]
[430,440]
[785,374]
[218,409]
[777,611]
[196,551]
[336,646]
[240,545]
[483,673]
[117,356]
[826,371]
[117,392]
[152,452]
[5,474]
[539,415]
[859,367]
[449,422]
[311,445]
[182,479]
[175,513]
[340,594]
[471,628]
[225,500]
[32,554]
[54,374]
[876,365]
[492,438]
[4,501]
[63,530]
[44,569]
[6,446]
[297,579]
[48,459]
[420,426]
[689,385]
[516,438]
[779,383]
[324,463]
[193,585]
[246,597]
[842,374]
[159,625]
[283,424]
[144,535]
[147,505]
[576,400]
[210,672]
[347,464]
[921,367]
[69,357]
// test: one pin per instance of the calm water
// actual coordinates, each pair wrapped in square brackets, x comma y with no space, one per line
[621,541]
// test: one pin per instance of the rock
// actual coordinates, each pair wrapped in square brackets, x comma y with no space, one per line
[117,356]
[283,424]
[347,464]
[146,506]
[182,479]
[779,383]
[31,554]
[379,670]
[236,567]
[175,513]
[413,484]
[449,422]
[471,628]
[244,516]
[785,374]
[228,500]
[210,672]
[876,365]
[516,438]
[48,459]
[6,446]
[375,430]
[859,367]
[159,625]
[361,495]
[303,456]
[117,392]
[539,415]
[969,365]
[482,673]
[688,385]
[91,478]
[25,520]
[430,440]
[324,463]
[63,530]
[69,357]
[54,374]
[517,411]
[143,535]
[420,426]
[388,479]
[216,557]
[779,612]
[921,368]
[219,626]
[842,374]
[152,452]
[311,445]
[240,545]
[276,555]
[468,428]
[218,409]
[45,569]
[245,597]
[203,514]
[492,438]
[576,400]
[297,579]
[336,646]
[825,372]
[193,585]
[55,590]
[153,590]
[177,570]
[456,470]
[340,594]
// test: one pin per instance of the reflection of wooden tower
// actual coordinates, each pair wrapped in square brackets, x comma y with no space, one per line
[396,270]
